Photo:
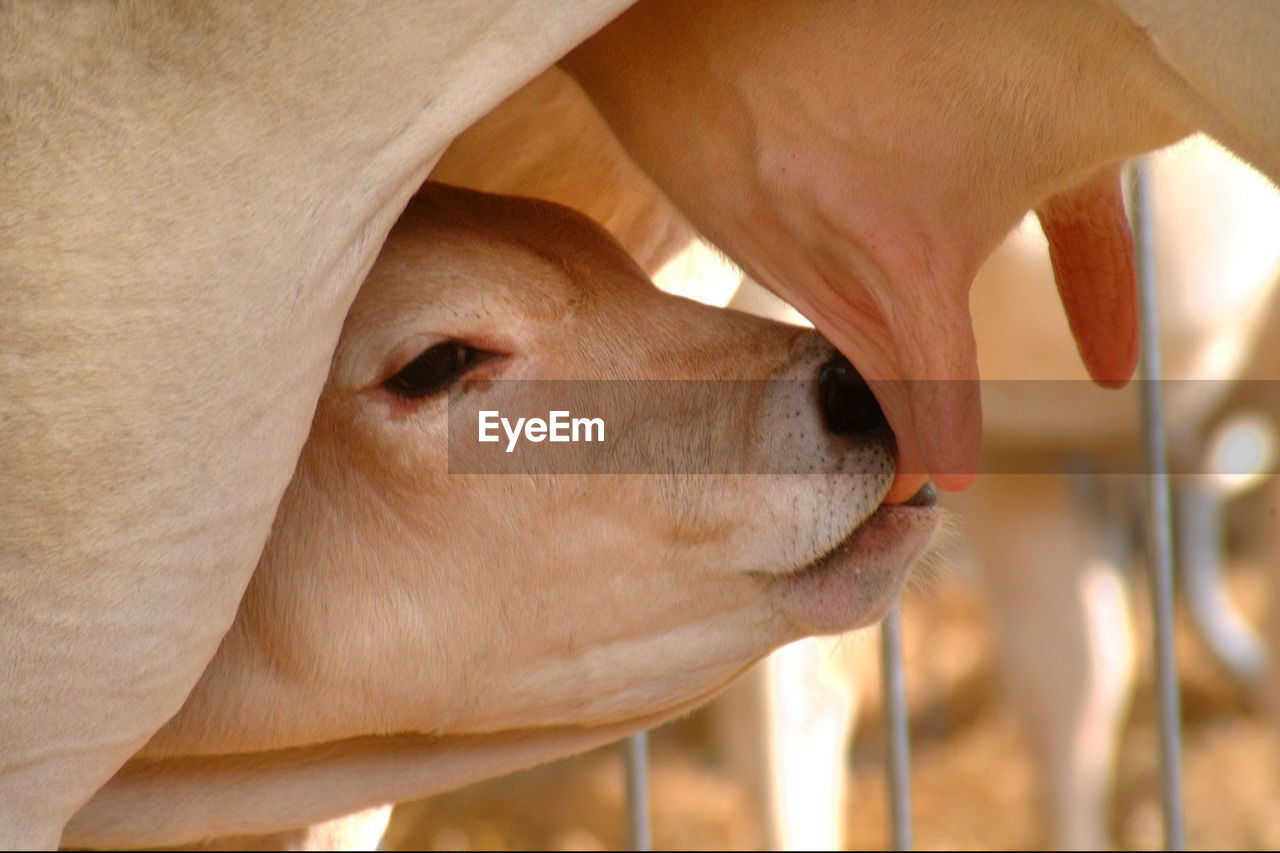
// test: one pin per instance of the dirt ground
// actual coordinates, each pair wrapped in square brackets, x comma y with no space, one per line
[973,783]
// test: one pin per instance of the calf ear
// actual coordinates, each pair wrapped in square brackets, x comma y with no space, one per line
[1091,248]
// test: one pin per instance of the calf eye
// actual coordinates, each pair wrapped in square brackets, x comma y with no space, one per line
[434,370]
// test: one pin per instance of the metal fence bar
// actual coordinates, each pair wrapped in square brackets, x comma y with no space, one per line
[1159,517]
[637,761]
[897,745]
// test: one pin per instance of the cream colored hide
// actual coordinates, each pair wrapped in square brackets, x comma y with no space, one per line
[193,194]
[409,629]
[363,830]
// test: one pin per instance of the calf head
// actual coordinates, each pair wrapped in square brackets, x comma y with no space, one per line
[399,595]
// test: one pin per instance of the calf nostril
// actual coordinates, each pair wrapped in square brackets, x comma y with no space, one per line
[848,406]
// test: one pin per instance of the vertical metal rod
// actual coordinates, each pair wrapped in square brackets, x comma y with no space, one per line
[897,746]
[1159,517]
[637,761]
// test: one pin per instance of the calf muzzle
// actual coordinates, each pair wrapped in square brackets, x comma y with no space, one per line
[849,409]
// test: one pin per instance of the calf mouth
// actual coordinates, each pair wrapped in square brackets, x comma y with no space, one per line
[854,583]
